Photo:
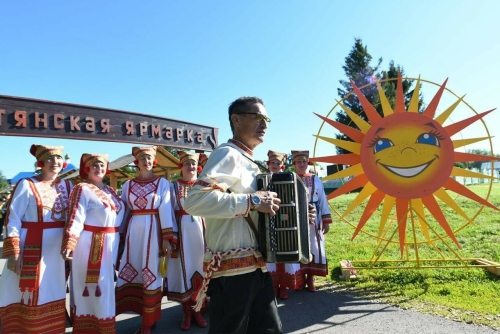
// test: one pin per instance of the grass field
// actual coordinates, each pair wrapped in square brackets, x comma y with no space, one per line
[465,294]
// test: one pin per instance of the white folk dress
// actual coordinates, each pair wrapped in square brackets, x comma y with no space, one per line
[185,267]
[34,302]
[232,247]
[92,233]
[150,220]
[319,264]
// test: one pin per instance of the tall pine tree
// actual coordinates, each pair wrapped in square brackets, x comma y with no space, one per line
[359,69]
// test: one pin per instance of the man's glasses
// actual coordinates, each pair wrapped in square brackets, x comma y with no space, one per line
[259,117]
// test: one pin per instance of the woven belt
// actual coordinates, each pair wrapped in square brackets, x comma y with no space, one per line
[143,212]
[181,213]
[99,229]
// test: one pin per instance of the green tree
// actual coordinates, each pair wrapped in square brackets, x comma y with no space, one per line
[173,150]
[3,181]
[359,69]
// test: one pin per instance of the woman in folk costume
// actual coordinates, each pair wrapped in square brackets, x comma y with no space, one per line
[285,275]
[91,240]
[149,231]
[321,226]
[33,283]
[185,268]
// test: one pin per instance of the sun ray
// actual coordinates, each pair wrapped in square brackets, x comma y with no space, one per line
[445,114]
[457,171]
[463,157]
[369,109]
[350,132]
[418,207]
[415,98]
[464,142]
[431,108]
[341,159]
[386,106]
[464,191]
[356,182]
[353,170]
[402,214]
[361,123]
[400,98]
[367,190]
[372,205]
[445,197]
[389,202]
[347,145]
[432,205]
[456,127]
[402,168]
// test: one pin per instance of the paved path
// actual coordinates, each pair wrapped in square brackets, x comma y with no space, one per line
[319,312]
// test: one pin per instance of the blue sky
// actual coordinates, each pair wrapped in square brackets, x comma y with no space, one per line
[188,60]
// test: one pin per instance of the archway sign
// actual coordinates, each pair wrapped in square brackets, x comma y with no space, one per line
[21,116]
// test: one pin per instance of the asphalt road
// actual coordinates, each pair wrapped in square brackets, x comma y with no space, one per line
[319,312]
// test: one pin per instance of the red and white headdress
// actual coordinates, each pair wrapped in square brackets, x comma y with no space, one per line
[42,152]
[300,156]
[138,152]
[273,155]
[88,159]
[184,156]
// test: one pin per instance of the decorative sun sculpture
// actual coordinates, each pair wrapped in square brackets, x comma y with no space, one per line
[404,159]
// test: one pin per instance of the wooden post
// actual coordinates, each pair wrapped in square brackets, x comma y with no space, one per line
[112,181]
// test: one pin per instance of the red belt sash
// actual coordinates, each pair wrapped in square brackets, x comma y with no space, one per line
[143,212]
[99,229]
[32,253]
[181,213]
[95,256]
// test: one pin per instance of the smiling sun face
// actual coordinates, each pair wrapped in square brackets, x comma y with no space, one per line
[407,155]
[403,159]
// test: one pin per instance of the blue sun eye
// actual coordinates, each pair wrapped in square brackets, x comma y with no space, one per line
[428,139]
[382,144]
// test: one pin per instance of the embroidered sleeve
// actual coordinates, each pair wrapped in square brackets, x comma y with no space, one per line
[76,217]
[16,208]
[327,219]
[248,207]
[324,209]
[166,212]
[11,246]
[226,169]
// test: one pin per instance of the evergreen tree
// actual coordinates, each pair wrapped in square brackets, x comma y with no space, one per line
[358,68]
[3,181]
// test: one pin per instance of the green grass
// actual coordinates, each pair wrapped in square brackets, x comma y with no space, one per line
[465,294]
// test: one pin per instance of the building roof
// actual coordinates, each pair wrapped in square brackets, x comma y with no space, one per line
[23,175]
[487,165]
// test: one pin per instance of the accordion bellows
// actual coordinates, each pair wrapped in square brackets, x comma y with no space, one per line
[285,237]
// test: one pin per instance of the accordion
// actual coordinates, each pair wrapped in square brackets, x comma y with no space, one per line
[285,236]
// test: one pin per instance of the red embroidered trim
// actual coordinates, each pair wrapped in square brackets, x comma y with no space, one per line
[315,269]
[285,279]
[245,213]
[327,219]
[168,234]
[46,318]
[208,185]
[186,182]
[69,241]
[241,146]
[133,297]
[90,324]
[11,246]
